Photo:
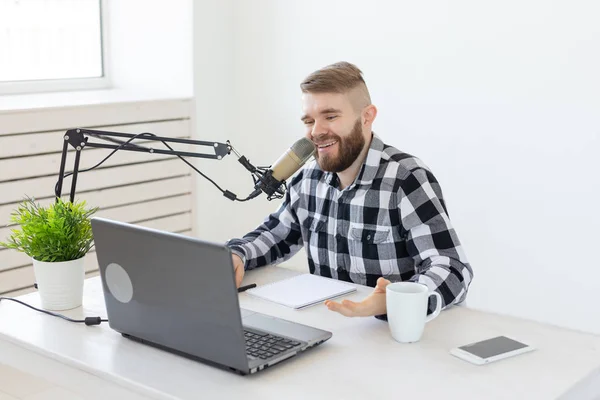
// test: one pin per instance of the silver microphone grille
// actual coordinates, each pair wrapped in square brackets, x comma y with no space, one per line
[304,149]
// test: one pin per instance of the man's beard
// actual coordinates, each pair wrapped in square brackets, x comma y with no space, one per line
[348,150]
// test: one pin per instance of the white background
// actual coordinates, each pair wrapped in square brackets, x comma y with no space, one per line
[500,99]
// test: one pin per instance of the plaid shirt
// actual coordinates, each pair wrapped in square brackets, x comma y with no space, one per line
[391,222]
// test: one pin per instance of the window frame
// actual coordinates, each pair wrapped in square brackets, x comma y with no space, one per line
[63,85]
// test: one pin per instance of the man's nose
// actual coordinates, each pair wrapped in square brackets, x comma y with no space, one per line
[318,130]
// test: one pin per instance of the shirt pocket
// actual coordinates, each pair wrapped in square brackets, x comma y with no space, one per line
[372,250]
[314,235]
[314,224]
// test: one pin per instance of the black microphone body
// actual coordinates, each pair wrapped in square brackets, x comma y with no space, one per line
[268,184]
[292,160]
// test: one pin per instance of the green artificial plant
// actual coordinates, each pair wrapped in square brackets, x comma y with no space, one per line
[60,232]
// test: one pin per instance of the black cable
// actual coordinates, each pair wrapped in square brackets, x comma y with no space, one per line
[257,171]
[226,193]
[194,168]
[88,320]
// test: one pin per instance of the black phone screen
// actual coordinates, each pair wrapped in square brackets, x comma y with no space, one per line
[493,347]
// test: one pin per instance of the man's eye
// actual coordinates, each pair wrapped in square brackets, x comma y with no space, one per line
[331,117]
[307,122]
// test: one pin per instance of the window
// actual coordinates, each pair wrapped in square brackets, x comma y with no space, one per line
[51,45]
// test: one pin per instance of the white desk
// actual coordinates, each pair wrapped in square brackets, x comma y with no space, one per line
[360,361]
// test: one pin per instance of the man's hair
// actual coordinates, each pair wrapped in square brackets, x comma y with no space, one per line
[341,77]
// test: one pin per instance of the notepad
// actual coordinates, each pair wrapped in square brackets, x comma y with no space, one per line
[302,290]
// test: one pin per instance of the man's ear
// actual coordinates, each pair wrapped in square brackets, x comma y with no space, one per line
[369,114]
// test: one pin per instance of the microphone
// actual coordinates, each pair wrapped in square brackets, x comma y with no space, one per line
[291,161]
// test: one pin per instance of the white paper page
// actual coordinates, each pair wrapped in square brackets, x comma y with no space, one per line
[302,290]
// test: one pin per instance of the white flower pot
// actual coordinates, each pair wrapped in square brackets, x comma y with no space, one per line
[60,284]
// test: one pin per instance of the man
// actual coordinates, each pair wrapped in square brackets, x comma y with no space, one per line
[364,211]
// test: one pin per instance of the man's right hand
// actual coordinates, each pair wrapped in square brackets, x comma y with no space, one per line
[238,269]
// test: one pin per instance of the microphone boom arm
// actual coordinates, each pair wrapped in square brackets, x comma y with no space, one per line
[79,139]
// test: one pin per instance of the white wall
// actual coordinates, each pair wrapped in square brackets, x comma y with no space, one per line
[500,99]
[150,46]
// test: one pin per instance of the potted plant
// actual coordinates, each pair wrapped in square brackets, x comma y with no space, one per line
[57,238]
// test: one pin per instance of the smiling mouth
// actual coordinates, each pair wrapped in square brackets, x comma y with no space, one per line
[322,146]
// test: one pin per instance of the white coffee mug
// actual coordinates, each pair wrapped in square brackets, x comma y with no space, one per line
[407,310]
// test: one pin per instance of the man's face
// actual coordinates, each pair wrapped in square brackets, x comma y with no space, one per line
[335,127]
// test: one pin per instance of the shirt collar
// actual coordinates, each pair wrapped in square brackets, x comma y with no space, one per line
[368,171]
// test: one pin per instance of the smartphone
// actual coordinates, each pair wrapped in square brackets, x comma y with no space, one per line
[494,349]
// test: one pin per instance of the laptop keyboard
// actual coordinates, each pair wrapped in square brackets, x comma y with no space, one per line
[263,345]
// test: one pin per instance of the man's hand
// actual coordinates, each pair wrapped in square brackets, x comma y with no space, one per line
[238,268]
[374,304]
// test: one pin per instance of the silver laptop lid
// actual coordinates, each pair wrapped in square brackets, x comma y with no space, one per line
[171,290]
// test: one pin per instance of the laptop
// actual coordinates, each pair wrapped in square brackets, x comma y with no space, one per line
[178,293]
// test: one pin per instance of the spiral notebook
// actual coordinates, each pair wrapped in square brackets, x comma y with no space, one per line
[302,290]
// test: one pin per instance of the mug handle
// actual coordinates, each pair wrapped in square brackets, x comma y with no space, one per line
[438,307]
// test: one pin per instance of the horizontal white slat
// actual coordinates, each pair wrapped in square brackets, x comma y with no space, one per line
[46,142]
[10,259]
[91,267]
[91,261]
[120,195]
[50,119]
[102,178]
[16,279]
[149,210]
[174,223]
[128,213]
[49,164]
[21,292]
[91,274]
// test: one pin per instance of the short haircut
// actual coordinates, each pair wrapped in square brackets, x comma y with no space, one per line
[342,77]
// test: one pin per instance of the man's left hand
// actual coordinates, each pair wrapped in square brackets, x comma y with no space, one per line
[374,304]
